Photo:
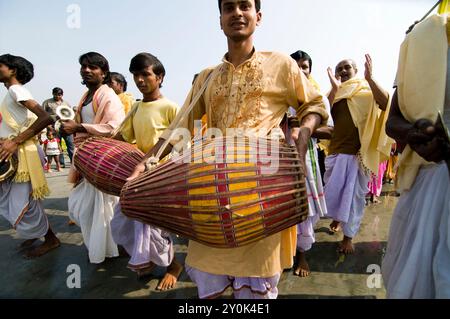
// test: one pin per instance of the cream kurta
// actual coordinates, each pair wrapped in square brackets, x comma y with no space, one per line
[421,85]
[254,95]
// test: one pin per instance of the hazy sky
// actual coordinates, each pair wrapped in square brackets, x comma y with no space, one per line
[186,36]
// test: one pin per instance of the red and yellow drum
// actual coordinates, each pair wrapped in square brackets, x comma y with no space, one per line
[106,163]
[221,202]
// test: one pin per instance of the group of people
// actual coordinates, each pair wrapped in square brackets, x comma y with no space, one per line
[260,91]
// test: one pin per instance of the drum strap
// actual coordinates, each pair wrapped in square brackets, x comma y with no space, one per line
[184,112]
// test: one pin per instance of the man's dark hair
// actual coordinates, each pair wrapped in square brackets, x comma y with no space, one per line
[57,90]
[24,68]
[119,78]
[257,5]
[144,60]
[99,60]
[302,55]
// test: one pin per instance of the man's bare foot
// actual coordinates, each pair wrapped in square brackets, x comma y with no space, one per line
[144,272]
[335,226]
[71,222]
[44,248]
[302,268]
[27,244]
[169,280]
[346,246]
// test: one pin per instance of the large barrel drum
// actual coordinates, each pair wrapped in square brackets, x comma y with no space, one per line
[222,194]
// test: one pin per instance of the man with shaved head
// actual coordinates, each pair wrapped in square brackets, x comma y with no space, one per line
[358,144]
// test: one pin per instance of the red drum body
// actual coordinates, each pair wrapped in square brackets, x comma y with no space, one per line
[222,195]
[106,163]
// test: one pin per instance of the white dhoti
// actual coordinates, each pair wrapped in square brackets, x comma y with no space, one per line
[25,214]
[93,211]
[346,186]
[316,199]
[417,260]
[144,243]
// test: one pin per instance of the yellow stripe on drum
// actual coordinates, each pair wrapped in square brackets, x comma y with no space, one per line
[200,204]
[244,212]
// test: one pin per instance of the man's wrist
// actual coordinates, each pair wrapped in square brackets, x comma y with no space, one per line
[17,140]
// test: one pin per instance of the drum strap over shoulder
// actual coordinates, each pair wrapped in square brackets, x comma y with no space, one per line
[185,112]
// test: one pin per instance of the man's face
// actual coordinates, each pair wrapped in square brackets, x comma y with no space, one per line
[91,74]
[239,19]
[116,86]
[58,97]
[303,64]
[5,73]
[146,80]
[346,70]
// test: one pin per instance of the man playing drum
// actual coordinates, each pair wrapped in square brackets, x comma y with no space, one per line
[99,113]
[248,90]
[147,245]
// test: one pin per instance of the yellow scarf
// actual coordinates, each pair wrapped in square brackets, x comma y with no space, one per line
[314,83]
[29,163]
[421,83]
[444,7]
[370,121]
[127,100]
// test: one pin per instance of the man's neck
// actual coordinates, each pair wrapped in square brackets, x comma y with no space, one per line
[239,52]
[11,82]
[93,88]
[155,95]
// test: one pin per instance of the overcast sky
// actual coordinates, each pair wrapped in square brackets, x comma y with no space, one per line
[186,37]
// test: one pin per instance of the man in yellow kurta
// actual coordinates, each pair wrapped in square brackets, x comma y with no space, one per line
[417,260]
[248,90]
[147,245]
[358,144]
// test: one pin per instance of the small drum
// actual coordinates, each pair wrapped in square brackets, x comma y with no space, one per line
[106,163]
[227,196]
[8,168]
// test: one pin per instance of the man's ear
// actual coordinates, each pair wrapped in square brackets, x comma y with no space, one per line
[160,78]
[258,18]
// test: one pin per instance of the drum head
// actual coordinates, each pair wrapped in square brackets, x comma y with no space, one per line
[4,167]
[65,113]
[7,168]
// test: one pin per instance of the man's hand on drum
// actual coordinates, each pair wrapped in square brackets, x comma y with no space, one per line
[301,136]
[428,140]
[70,127]
[138,170]
[7,148]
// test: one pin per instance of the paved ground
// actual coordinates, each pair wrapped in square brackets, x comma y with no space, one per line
[45,277]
